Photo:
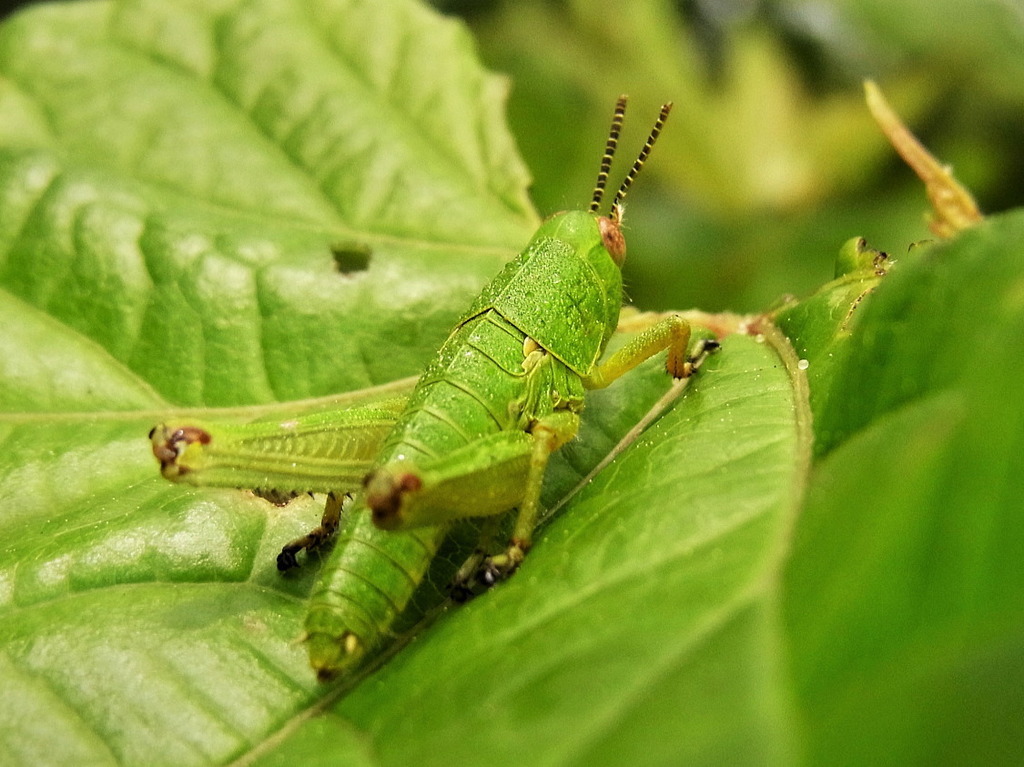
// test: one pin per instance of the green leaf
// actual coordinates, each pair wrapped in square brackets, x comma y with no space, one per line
[187,191]
[655,586]
[135,608]
[903,596]
[175,176]
[823,329]
[176,179]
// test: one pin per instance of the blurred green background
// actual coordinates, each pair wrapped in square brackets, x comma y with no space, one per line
[770,160]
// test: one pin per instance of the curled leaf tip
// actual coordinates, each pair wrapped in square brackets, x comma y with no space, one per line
[953,207]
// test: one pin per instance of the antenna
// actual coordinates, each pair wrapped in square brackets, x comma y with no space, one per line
[641,158]
[609,153]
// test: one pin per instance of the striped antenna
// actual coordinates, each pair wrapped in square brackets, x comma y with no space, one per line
[628,180]
[609,153]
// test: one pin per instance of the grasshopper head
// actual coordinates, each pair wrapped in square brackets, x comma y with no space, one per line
[595,240]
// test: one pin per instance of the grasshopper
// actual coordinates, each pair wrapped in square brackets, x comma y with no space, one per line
[473,439]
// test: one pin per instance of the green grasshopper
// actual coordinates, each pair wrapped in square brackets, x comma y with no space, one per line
[473,439]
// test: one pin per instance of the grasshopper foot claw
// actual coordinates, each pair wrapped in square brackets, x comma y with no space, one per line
[287,560]
[501,566]
[481,573]
[701,352]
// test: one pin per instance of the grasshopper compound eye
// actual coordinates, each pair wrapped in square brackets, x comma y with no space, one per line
[611,225]
[611,236]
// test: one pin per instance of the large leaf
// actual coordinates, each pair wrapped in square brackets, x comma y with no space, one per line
[147,622]
[175,178]
[175,175]
[177,182]
[905,593]
[644,621]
